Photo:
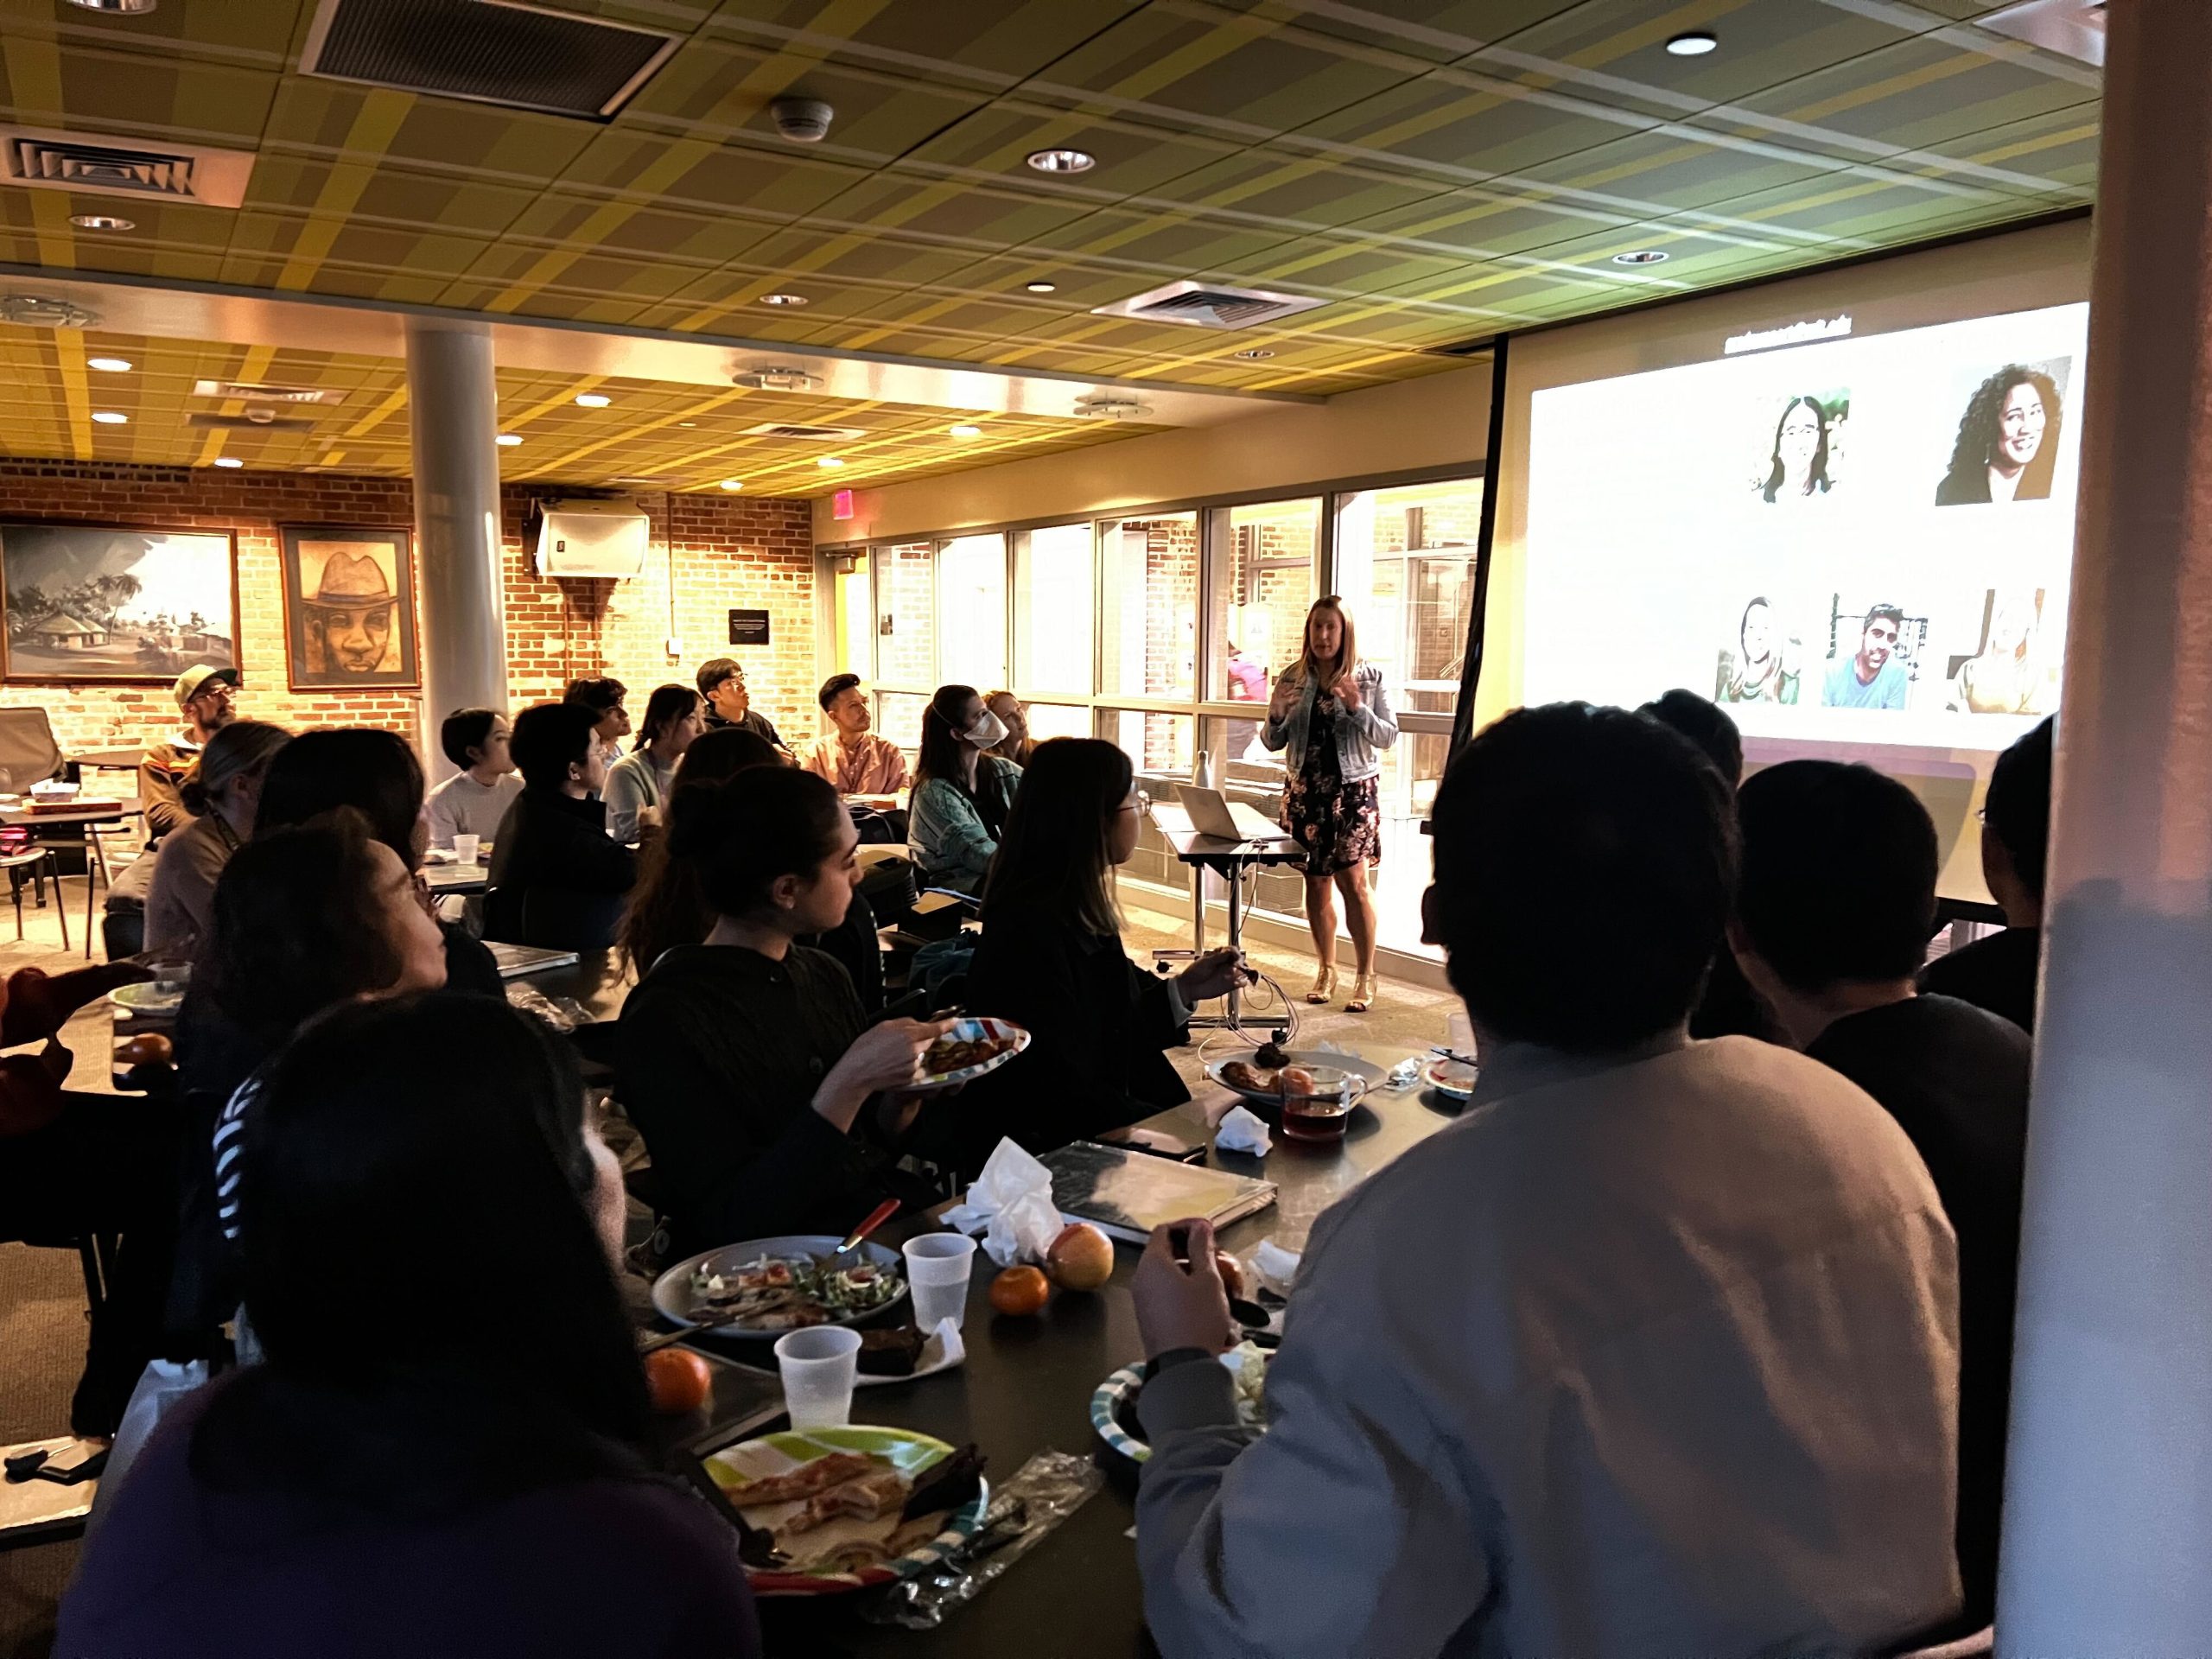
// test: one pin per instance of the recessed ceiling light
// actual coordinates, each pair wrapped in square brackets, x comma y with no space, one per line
[965,430]
[1641,256]
[102,222]
[1042,288]
[1255,354]
[1693,43]
[830,463]
[593,400]
[508,439]
[1062,161]
[111,417]
[228,460]
[733,484]
[783,299]
[687,422]
[125,7]
[109,365]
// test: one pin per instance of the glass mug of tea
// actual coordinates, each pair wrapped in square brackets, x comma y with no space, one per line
[1319,1116]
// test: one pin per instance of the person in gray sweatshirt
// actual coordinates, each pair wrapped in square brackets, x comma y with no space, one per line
[1655,1352]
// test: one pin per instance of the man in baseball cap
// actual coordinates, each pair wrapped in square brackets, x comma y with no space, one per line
[206,693]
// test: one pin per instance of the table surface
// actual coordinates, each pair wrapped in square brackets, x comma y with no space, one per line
[457,878]
[595,982]
[120,810]
[110,760]
[1026,1386]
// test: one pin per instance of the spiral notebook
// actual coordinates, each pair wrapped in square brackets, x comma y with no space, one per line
[1126,1194]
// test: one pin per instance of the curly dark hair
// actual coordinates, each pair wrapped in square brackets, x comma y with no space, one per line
[1966,479]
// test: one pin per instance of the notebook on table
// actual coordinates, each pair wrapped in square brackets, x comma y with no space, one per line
[1126,1194]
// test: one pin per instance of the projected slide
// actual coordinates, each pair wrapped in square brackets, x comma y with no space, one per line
[1844,540]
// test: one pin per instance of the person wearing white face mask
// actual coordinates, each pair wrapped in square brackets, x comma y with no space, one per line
[961,797]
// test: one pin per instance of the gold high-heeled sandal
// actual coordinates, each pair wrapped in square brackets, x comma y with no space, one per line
[1362,994]
[1325,985]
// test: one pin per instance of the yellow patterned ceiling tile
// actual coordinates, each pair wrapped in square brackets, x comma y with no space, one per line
[1918,93]
[554,218]
[1446,121]
[987,150]
[513,146]
[2061,145]
[1672,173]
[985,40]
[1766,41]
[1118,251]
[765,187]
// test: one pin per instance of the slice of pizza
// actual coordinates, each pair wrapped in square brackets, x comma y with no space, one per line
[805,1481]
[865,1498]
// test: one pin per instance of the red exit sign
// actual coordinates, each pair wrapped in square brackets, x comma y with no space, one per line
[841,505]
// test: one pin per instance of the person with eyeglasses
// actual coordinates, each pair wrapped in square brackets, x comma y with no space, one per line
[206,695]
[1872,676]
[1051,960]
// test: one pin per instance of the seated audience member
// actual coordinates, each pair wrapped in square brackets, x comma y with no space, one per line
[1014,715]
[375,772]
[1833,910]
[1730,1007]
[1652,1352]
[554,838]
[401,1475]
[852,758]
[768,1105]
[474,800]
[961,792]
[606,699]
[306,917]
[1999,973]
[73,1164]
[222,796]
[1051,960]
[721,683]
[639,782]
[667,909]
[206,695]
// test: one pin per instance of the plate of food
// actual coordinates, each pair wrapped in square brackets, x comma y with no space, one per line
[829,1510]
[766,1287]
[1114,1403]
[972,1047]
[1450,1076]
[1313,1075]
[149,997]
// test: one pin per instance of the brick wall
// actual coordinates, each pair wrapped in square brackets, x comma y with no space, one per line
[712,553]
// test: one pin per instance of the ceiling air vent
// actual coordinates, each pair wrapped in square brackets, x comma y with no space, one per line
[1111,409]
[31,311]
[46,160]
[262,392]
[785,429]
[489,51]
[258,420]
[1206,305]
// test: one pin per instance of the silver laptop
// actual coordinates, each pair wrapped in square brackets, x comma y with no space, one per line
[1214,814]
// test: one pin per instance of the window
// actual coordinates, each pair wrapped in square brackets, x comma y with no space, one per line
[1051,619]
[1149,636]
[856,625]
[1059,719]
[1264,560]
[898,718]
[971,611]
[1405,569]
[906,615]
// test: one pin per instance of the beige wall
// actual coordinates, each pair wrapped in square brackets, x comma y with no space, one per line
[1439,420]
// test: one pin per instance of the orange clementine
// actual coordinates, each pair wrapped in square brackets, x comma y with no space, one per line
[1020,1290]
[678,1380]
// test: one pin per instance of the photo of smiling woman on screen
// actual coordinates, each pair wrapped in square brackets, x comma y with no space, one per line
[2007,447]
[1799,468]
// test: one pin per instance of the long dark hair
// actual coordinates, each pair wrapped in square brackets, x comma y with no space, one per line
[373,772]
[739,836]
[939,756]
[667,907]
[389,1141]
[1054,864]
[1819,475]
[297,925]
[1979,428]
[667,705]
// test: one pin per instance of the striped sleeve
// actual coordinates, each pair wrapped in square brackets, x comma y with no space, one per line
[230,1142]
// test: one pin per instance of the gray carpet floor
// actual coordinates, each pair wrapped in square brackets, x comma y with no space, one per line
[42,1292]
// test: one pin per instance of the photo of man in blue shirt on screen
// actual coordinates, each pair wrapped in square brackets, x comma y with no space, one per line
[1874,678]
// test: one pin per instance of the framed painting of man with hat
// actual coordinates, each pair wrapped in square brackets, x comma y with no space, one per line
[349,608]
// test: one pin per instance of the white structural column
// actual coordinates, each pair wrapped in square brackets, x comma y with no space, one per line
[453,416]
[2109,1504]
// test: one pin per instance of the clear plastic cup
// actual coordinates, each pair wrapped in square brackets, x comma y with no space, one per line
[465,848]
[818,1365]
[937,1268]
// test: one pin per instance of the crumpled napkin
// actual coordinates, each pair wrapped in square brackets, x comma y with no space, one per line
[1277,1267]
[1241,1131]
[1012,1200]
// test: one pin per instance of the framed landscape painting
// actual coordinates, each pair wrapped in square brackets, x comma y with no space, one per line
[349,608]
[115,604]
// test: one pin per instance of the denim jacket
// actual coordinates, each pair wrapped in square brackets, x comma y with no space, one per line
[1359,731]
[951,845]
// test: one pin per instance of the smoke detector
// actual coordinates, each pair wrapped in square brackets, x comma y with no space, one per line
[775,379]
[1111,409]
[802,120]
[31,311]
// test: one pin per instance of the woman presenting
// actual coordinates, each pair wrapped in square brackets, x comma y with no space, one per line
[1329,713]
